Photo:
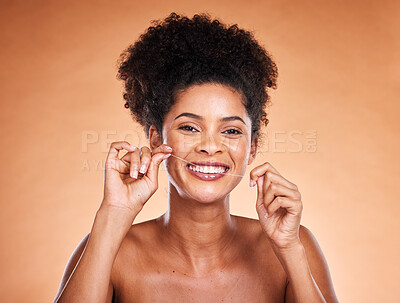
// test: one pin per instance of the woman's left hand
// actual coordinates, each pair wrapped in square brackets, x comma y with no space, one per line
[278,205]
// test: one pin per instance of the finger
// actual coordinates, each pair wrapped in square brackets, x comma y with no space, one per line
[116,147]
[275,190]
[158,155]
[145,159]
[260,198]
[279,179]
[125,163]
[135,162]
[264,192]
[258,171]
[145,156]
[112,161]
[261,212]
[260,194]
[292,207]
[163,148]
[152,171]
[264,184]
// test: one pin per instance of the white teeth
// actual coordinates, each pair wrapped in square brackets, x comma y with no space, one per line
[208,169]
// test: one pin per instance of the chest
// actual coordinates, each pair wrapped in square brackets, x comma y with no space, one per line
[234,286]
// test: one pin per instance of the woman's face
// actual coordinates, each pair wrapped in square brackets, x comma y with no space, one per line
[208,123]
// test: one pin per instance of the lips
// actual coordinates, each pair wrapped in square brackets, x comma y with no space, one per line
[210,163]
[207,170]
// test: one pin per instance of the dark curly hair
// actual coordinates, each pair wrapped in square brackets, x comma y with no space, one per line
[178,52]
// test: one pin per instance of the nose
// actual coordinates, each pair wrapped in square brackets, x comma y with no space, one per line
[209,144]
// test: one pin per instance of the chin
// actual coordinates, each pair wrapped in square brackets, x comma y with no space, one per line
[209,199]
[207,195]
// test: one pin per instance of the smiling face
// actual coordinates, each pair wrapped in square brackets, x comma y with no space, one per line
[208,126]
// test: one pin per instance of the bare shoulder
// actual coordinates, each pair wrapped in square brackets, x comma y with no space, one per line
[140,236]
[250,225]
[313,250]
[309,242]
[138,255]
[252,229]
[143,231]
[249,228]
[252,235]
[259,255]
[140,243]
[318,264]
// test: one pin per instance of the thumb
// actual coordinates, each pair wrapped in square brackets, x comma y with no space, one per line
[152,172]
[260,193]
[260,198]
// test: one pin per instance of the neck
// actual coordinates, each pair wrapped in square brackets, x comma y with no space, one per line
[199,232]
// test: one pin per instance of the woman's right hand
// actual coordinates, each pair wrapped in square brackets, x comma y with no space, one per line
[133,179]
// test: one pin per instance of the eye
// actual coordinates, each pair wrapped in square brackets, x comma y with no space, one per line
[187,128]
[234,131]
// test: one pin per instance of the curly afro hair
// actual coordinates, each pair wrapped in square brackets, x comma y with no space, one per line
[179,52]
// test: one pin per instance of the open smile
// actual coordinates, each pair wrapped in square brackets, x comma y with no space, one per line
[208,171]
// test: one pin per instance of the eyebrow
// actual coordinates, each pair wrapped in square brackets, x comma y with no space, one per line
[224,119]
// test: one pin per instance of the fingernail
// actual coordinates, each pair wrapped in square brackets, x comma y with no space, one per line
[135,174]
[142,169]
[252,183]
[166,156]
[169,148]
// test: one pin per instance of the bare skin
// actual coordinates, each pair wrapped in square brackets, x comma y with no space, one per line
[243,271]
[197,251]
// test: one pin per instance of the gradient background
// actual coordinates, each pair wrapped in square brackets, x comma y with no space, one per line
[333,129]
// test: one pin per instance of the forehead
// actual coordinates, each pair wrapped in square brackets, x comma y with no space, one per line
[209,100]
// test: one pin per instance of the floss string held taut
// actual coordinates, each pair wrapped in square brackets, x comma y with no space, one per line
[195,165]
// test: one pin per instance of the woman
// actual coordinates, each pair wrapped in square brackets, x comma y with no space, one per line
[199,89]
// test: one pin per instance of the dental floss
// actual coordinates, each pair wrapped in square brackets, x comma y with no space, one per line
[195,164]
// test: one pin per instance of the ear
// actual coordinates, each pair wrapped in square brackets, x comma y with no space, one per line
[154,137]
[253,151]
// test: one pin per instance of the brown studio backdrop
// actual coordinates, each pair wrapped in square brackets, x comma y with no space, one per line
[61,104]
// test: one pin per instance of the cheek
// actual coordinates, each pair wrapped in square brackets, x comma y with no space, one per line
[239,147]
[173,165]
[241,154]
[180,143]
